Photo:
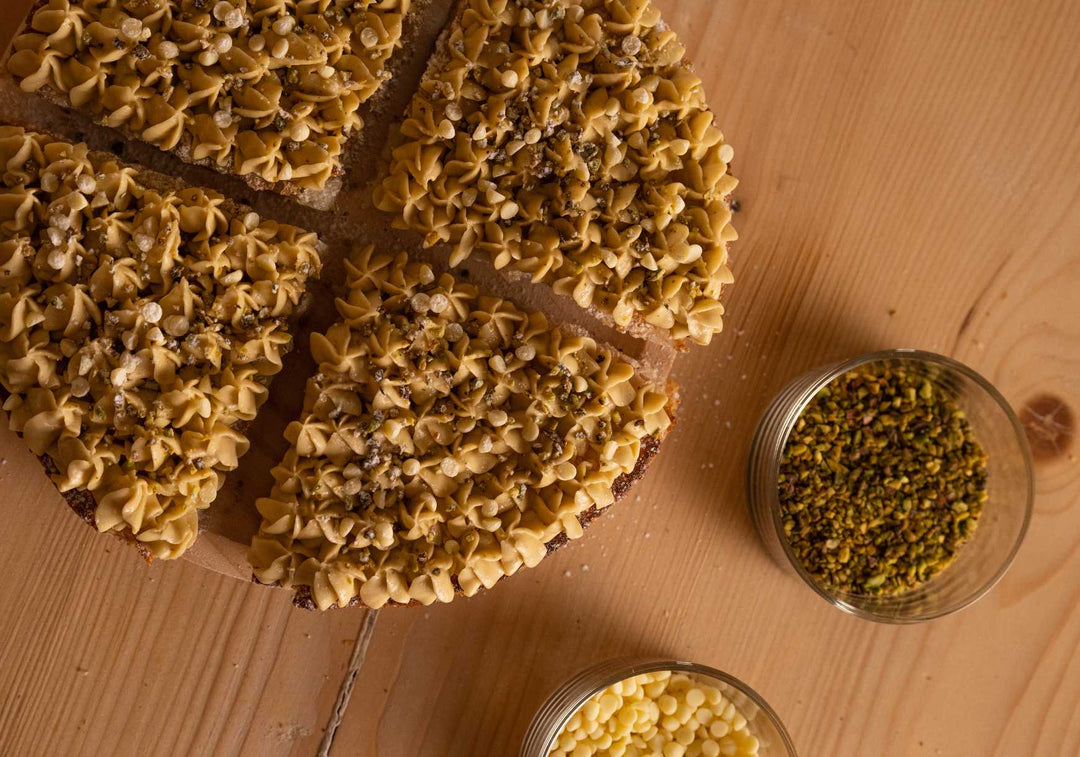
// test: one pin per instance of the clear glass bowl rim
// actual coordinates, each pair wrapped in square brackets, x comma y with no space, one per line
[826,375]
[608,673]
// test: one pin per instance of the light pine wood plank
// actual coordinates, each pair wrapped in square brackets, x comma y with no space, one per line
[908,179]
[102,654]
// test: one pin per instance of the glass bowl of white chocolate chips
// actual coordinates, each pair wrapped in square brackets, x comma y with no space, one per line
[659,708]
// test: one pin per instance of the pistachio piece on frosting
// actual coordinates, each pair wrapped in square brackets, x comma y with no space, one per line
[417,470]
[122,360]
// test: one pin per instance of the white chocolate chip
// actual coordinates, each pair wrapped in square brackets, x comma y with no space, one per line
[86,183]
[509,78]
[449,467]
[256,43]
[497,417]
[631,45]
[80,387]
[353,486]
[525,352]
[221,9]
[223,44]
[439,303]
[56,259]
[454,331]
[234,19]
[131,29]
[56,238]
[151,312]
[420,302]
[284,25]
[49,182]
[532,136]
[176,325]
[168,50]
[726,153]
[207,57]
[222,119]
[60,220]
[300,131]
[453,111]
[144,242]
[252,221]
[369,37]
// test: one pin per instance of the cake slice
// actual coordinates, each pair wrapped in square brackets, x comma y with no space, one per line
[264,89]
[449,439]
[572,142]
[140,322]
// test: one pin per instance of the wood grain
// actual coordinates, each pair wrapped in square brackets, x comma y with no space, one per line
[909,178]
[100,654]
[904,183]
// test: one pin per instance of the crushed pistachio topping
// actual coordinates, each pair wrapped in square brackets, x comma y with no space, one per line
[264,87]
[447,438]
[882,481]
[137,330]
[570,140]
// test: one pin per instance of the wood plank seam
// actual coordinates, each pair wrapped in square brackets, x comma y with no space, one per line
[356,662]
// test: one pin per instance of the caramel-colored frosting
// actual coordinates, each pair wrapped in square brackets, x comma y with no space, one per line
[264,87]
[570,140]
[137,329]
[447,438]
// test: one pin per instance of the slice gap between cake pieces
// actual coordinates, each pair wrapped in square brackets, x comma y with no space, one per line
[140,324]
[269,92]
[572,142]
[449,438]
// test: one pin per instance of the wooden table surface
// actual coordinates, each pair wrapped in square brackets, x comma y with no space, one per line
[910,177]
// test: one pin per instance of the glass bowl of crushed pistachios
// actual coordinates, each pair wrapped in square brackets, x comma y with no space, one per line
[664,707]
[898,484]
